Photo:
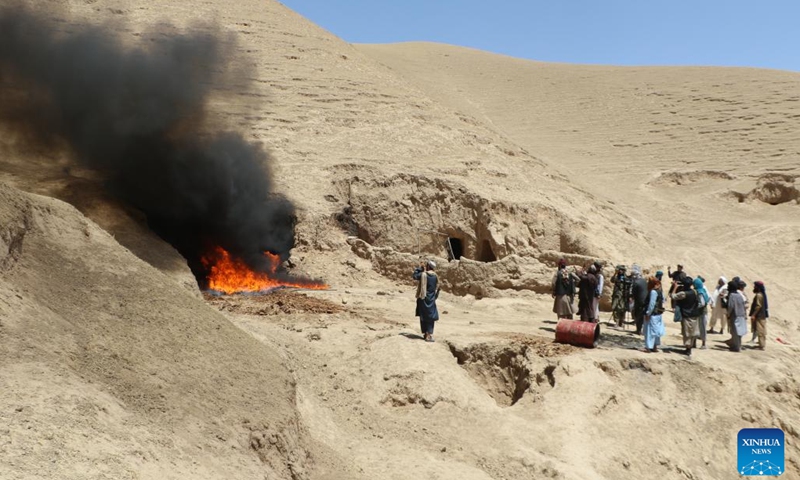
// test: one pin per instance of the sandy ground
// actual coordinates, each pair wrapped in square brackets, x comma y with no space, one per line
[115,366]
[495,398]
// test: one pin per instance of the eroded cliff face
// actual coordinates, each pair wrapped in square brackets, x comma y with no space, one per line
[424,214]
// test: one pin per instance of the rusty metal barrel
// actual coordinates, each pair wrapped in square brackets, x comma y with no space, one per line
[578,333]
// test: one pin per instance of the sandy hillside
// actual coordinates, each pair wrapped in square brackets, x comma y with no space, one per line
[111,370]
[122,369]
[711,152]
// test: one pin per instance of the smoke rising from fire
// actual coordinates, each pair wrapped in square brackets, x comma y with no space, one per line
[139,115]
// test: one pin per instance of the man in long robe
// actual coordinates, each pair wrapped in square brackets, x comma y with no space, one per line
[759,312]
[639,295]
[427,293]
[653,323]
[599,290]
[737,314]
[587,295]
[563,291]
[718,303]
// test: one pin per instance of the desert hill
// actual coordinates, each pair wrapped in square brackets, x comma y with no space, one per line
[702,159]
[355,142]
[117,367]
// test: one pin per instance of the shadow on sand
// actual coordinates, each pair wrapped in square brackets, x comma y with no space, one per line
[412,336]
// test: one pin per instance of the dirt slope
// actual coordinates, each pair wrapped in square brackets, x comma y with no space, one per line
[111,370]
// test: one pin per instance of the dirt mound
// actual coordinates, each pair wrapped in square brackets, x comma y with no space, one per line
[690,177]
[776,189]
[773,189]
[110,366]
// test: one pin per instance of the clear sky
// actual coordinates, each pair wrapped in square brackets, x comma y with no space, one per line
[751,33]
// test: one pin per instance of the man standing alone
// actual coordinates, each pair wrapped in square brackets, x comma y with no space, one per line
[759,312]
[427,293]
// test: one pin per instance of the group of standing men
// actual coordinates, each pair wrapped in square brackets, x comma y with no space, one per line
[588,282]
[644,298]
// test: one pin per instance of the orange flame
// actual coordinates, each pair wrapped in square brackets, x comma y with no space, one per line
[229,275]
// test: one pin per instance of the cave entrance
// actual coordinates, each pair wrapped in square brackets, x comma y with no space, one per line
[486,254]
[456,249]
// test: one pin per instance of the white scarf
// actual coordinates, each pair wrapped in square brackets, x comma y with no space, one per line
[422,288]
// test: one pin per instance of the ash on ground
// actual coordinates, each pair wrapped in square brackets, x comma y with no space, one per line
[274,303]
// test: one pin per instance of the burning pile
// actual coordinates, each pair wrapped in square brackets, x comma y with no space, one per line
[139,115]
[228,275]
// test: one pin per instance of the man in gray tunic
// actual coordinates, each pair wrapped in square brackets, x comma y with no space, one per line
[737,315]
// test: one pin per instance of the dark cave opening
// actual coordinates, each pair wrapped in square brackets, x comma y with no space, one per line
[486,254]
[456,250]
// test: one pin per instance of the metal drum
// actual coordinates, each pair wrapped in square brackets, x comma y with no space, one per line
[578,333]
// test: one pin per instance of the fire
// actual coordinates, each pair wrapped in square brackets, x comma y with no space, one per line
[230,275]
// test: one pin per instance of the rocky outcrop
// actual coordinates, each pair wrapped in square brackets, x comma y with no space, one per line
[424,215]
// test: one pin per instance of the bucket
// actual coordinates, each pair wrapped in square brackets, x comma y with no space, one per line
[578,333]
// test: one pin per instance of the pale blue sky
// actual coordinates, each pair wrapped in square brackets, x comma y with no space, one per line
[750,33]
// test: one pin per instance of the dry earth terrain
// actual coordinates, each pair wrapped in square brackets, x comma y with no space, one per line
[114,365]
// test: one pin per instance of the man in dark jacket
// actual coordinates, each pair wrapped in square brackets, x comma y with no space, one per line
[686,300]
[677,277]
[620,295]
[759,312]
[563,286]
[587,295]
[639,295]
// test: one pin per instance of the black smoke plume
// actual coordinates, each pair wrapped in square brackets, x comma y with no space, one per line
[139,115]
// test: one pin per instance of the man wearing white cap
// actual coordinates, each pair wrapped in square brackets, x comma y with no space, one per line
[427,293]
[719,305]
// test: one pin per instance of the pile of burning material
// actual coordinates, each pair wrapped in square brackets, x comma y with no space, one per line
[227,275]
